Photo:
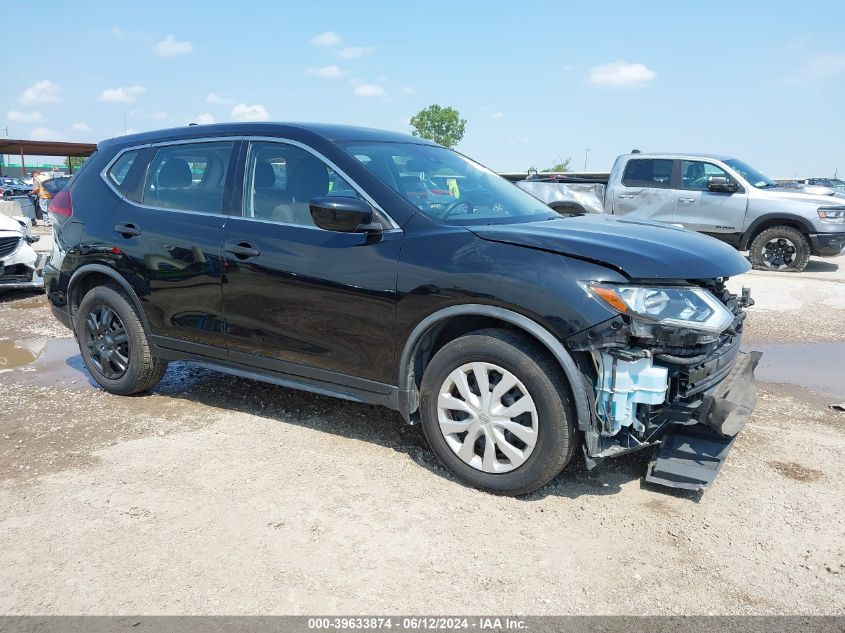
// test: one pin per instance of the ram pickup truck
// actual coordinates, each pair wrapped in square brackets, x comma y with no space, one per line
[723,197]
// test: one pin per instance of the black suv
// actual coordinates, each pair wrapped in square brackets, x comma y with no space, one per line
[296,254]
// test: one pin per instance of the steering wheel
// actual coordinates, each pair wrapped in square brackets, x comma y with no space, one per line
[451,209]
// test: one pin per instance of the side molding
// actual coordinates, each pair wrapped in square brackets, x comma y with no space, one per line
[570,369]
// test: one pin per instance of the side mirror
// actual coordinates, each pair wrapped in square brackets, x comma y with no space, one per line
[342,214]
[721,184]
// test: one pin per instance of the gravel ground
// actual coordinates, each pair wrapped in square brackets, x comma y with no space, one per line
[221,495]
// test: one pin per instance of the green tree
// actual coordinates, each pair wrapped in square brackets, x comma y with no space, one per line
[441,125]
[560,165]
[73,163]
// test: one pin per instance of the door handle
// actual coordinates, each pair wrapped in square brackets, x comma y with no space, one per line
[127,230]
[627,196]
[686,199]
[242,250]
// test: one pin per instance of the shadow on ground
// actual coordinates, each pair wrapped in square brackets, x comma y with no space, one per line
[377,425]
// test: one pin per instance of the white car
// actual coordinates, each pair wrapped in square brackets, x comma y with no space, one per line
[20,264]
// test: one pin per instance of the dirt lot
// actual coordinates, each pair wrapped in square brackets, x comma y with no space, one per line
[220,495]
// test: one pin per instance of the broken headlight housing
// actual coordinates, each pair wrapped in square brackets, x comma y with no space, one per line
[680,306]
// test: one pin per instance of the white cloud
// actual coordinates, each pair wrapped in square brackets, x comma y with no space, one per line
[157,116]
[329,38]
[129,130]
[24,117]
[497,115]
[204,119]
[621,73]
[169,47]
[354,52]
[215,98]
[407,90]
[825,66]
[42,92]
[326,72]
[243,112]
[121,95]
[45,134]
[369,90]
[81,127]
[116,32]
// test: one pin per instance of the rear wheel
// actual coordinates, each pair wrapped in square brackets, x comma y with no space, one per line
[497,413]
[780,248]
[113,344]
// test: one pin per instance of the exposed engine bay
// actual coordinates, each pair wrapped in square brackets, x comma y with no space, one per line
[670,359]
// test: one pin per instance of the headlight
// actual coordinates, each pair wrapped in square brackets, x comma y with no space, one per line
[832,215]
[689,306]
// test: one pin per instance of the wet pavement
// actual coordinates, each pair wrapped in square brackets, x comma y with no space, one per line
[44,362]
[819,367]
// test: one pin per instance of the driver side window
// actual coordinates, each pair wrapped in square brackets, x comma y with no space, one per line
[694,174]
[282,179]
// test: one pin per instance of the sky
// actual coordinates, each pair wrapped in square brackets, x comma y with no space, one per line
[537,82]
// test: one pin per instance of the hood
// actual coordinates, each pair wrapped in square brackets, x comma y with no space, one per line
[10,224]
[641,249]
[821,196]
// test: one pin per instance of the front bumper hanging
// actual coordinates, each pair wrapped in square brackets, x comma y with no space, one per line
[693,450]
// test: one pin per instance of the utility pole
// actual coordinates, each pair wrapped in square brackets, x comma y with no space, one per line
[586,155]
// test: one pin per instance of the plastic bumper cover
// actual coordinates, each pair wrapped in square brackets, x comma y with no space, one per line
[692,452]
[17,275]
[827,244]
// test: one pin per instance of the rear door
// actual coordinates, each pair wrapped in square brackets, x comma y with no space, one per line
[645,190]
[699,209]
[167,233]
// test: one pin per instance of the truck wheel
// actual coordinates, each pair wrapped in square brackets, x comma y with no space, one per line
[113,344]
[497,413]
[780,248]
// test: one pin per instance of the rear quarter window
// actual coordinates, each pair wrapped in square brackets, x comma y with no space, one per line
[648,172]
[119,170]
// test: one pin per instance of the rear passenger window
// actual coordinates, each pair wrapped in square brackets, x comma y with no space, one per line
[189,177]
[648,172]
[120,169]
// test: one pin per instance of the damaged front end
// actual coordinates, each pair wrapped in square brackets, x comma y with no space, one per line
[20,265]
[668,370]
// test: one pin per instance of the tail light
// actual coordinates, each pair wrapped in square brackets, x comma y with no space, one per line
[61,206]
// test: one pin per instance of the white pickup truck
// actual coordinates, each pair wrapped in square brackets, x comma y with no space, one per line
[723,197]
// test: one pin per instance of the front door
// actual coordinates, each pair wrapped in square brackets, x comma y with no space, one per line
[167,231]
[699,209]
[645,190]
[299,299]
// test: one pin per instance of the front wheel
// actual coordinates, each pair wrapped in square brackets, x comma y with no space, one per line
[780,248]
[113,344]
[497,413]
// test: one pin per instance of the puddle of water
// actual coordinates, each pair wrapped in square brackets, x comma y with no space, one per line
[817,366]
[43,362]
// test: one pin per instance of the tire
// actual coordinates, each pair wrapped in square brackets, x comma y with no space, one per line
[546,440]
[118,358]
[780,248]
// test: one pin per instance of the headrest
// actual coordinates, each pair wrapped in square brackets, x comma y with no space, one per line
[175,174]
[264,174]
[310,180]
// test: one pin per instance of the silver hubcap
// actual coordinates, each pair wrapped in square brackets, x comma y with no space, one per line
[779,253]
[487,417]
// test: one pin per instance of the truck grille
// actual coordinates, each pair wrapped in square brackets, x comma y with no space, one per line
[9,245]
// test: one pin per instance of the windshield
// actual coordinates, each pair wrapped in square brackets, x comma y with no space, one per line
[446,186]
[754,177]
